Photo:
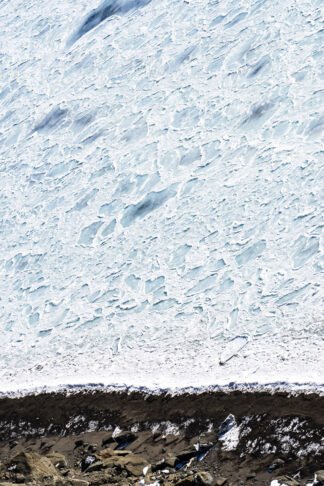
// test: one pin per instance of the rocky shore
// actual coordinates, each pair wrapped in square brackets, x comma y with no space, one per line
[212,439]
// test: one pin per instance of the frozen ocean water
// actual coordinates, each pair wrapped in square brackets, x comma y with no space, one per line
[162,177]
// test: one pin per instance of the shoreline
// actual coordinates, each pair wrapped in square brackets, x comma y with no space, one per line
[289,388]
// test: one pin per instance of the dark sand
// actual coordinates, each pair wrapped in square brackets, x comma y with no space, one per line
[274,435]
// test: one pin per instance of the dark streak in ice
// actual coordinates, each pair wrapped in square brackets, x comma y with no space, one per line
[151,202]
[54,118]
[258,67]
[107,9]
[258,112]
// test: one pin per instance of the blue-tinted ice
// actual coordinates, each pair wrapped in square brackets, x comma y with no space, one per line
[161,203]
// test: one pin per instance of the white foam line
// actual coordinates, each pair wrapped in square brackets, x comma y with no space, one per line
[292,389]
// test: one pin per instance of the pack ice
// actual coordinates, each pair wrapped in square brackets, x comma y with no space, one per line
[161,197]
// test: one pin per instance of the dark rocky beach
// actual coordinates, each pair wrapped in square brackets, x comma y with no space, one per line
[98,438]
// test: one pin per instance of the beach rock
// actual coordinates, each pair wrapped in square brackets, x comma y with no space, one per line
[220,481]
[173,477]
[204,478]
[286,480]
[135,464]
[58,460]
[320,475]
[132,463]
[31,465]
[170,460]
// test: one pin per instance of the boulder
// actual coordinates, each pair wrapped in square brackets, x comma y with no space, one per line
[132,463]
[320,475]
[220,481]
[31,465]
[204,478]
[174,477]
[170,460]
[287,481]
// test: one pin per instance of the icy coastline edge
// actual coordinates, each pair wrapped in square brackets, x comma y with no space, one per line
[287,388]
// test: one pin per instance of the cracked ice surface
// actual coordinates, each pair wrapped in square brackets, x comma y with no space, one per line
[161,192]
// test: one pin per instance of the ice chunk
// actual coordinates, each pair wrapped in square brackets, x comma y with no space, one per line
[203,284]
[179,255]
[110,228]
[151,285]
[306,249]
[232,348]
[251,253]
[229,433]
[89,232]
[132,281]
[291,296]
[191,157]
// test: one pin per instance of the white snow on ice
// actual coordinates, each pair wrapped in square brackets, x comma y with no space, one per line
[161,199]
